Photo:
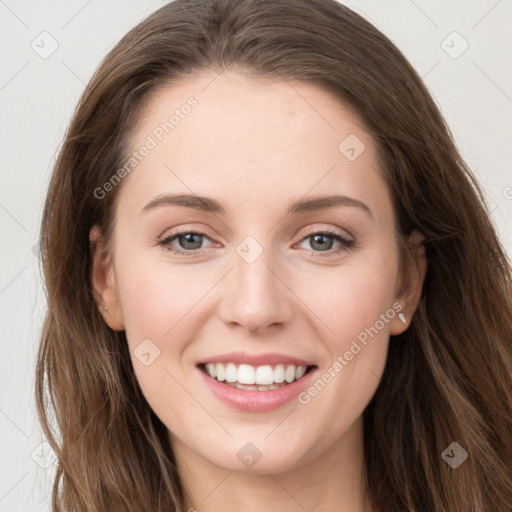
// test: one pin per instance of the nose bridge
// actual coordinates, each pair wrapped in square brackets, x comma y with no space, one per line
[256,298]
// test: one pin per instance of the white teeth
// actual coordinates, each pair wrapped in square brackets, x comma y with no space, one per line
[221,372]
[211,369]
[254,388]
[264,375]
[231,373]
[279,374]
[289,374]
[245,376]
[299,372]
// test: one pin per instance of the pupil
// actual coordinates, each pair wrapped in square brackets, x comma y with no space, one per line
[189,240]
[322,245]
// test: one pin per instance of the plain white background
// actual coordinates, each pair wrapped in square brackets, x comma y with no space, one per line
[38,92]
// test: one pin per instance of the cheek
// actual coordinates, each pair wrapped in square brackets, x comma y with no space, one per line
[350,298]
[157,298]
[358,308]
[159,304]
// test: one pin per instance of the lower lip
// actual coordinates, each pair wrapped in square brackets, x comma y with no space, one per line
[256,401]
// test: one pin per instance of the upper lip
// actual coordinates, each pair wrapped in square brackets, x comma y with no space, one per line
[269,358]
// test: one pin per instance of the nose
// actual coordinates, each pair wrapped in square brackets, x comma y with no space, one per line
[256,297]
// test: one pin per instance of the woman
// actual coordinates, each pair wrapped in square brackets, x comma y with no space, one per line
[272,280]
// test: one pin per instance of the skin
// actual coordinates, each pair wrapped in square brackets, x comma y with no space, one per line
[256,146]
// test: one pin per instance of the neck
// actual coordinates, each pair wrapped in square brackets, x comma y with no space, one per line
[334,481]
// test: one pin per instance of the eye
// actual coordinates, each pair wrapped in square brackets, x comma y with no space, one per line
[184,242]
[190,242]
[323,241]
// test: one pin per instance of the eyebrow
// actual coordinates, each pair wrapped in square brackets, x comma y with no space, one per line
[209,205]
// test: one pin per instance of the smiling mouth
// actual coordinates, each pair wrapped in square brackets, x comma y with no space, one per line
[255,378]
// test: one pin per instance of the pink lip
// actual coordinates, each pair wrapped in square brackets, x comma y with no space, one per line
[270,358]
[256,401]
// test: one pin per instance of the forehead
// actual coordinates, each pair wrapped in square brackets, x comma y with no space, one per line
[229,102]
[253,141]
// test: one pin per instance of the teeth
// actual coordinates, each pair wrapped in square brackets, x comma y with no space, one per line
[264,375]
[299,372]
[279,374]
[245,376]
[289,374]
[231,373]
[211,369]
[221,372]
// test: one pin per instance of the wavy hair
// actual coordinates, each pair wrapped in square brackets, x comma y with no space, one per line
[448,378]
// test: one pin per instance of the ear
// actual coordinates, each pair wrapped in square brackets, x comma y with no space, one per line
[410,282]
[103,281]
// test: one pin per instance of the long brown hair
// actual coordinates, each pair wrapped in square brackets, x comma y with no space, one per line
[448,377]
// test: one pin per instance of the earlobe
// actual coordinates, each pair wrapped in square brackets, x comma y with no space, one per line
[103,282]
[412,279]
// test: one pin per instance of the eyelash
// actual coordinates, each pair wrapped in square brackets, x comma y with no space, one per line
[346,243]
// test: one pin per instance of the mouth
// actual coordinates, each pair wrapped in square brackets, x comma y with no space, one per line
[255,383]
[262,378]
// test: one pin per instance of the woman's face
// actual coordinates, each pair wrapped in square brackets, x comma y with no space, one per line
[295,264]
